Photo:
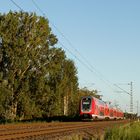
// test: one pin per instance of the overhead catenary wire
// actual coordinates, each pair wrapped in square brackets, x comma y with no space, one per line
[68,41]
[90,67]
[87,64]
[121,89]
[75,56]
[55,27]
[16,5]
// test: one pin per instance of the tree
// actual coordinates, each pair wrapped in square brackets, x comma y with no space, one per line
[70,87]
[49,102]
[86,92]
[61,84]
[24,42]
[36,78]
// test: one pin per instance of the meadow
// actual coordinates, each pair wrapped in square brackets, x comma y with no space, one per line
[128,132]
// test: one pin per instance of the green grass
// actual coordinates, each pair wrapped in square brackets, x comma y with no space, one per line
[128,132]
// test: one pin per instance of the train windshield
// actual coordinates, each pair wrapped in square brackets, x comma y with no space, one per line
[86,104]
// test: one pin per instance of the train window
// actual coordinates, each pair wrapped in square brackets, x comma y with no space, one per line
[101,111]
[111,113]
[86,104]
[101,102]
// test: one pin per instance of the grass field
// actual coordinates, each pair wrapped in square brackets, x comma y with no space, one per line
[127,132]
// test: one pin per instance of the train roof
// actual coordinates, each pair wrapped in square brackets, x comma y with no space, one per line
[101,102]
[96,99]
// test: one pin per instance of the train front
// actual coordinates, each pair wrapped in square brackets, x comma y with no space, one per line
[86,108]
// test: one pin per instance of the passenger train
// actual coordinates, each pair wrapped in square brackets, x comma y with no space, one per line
[96,109]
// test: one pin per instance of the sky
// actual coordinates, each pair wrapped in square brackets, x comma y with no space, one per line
[102,37]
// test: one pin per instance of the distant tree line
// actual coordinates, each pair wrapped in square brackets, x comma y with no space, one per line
[36,78]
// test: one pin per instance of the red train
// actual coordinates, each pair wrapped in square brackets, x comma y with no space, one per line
[93,108]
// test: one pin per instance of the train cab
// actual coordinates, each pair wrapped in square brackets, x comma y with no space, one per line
[93,108]
[86,107]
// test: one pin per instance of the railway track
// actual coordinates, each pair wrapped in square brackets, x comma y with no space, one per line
[48,130]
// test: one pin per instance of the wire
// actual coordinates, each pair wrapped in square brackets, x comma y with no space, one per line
[39,8]
[16,5]
[87,64]
[75,56]
[122,89]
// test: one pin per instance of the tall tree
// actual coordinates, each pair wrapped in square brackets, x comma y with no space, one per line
[24,42]
[35,77]
[70,87]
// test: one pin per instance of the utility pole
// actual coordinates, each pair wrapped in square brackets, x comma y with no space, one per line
[129,93]
[137,108]
[131,97]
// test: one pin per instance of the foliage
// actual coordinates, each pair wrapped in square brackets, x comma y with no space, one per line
[86,92]
[129,132]
[36,78]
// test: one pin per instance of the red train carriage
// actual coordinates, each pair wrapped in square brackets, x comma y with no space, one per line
[120,114]
[93,108]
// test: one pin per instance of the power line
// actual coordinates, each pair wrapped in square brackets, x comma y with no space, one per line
[38,8]
[68,41]
[75,56]
[131,94]
[16,5]
[55,27]
[87,64]
[121,89]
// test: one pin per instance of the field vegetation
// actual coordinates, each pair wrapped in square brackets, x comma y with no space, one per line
[128,132]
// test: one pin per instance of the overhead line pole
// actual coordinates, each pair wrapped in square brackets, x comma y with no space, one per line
[131,97]
[137,108]
[129,93]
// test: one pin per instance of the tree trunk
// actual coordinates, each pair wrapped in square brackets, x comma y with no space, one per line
[13,111]
[66,105]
